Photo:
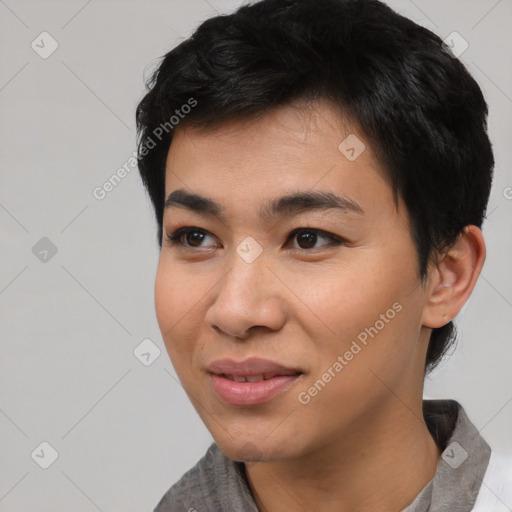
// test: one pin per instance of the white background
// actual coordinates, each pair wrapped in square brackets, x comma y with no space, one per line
[125,432]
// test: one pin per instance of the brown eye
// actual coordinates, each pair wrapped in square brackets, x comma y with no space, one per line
[194,238]
[307,238]
[188,237]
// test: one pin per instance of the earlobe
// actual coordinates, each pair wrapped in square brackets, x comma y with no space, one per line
[454,277]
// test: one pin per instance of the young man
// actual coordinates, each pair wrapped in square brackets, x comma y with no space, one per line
[320,171]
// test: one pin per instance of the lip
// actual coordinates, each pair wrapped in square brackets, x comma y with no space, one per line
[278,379]
[250,366]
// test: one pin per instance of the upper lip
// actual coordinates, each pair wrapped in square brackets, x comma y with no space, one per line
[250,367]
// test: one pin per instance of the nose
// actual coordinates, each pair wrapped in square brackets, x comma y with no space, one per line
[248,298]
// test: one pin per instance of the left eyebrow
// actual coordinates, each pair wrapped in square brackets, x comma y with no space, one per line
[302,202]
[288,205]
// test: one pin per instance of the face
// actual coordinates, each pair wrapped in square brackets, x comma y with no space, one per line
[327,290]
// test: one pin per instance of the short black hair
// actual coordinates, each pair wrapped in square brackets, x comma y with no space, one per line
[418,106]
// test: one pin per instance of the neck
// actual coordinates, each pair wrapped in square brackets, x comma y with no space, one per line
[381,463]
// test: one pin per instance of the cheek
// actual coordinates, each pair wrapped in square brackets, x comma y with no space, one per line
[177,306]
[367,301]
[348,298]
[166,298]
[178,292]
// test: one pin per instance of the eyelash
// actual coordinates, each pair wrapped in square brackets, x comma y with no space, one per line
[174,238]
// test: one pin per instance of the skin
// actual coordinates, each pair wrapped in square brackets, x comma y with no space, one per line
[361,442]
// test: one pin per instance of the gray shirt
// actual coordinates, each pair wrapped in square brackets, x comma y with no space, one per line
[219,484]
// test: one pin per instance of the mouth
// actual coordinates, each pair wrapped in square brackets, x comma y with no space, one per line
[250,382]
[254,378]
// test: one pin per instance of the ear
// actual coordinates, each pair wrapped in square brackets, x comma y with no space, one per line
[453,277]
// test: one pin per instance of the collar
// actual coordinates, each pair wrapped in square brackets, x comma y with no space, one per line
[223,483]
[462,465]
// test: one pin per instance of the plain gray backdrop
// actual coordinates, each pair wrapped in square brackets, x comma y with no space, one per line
[77,273]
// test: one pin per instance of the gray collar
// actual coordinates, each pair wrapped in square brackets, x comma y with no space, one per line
[460,469]
[217,483]
[462,465]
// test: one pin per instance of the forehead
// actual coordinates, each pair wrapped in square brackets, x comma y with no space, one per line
[288,132]
[291,148]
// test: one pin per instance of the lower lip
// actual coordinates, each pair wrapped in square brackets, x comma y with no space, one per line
[243,394]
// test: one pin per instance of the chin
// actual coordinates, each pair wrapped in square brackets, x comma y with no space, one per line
[248,448]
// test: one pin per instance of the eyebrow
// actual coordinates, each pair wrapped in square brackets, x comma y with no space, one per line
[289,205]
